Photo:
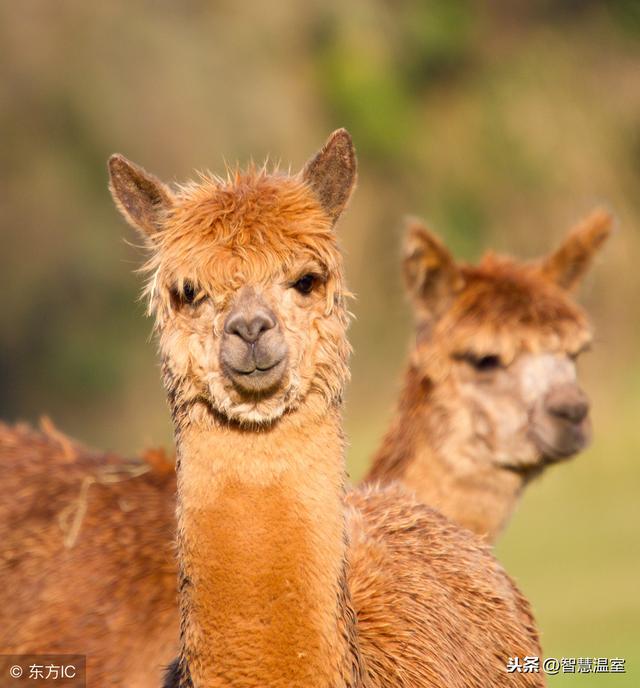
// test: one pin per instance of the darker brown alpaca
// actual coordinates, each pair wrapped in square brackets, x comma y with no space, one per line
[284,580]
[490,397]
[87,561]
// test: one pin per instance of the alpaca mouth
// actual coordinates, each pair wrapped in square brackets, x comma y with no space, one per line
[561,440]
[253,379]
[258,369]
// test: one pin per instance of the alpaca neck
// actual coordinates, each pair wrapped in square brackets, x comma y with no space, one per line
[450,471]
[262,551]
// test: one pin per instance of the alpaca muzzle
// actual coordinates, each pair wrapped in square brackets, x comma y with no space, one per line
[562,426]
[253,351]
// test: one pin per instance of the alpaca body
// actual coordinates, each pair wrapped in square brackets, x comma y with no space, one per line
[88,561]
[412,576]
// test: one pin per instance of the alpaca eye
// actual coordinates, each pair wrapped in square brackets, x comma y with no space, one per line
[486,363]
[188,295]
[305,284]
[483,364]
[188,292]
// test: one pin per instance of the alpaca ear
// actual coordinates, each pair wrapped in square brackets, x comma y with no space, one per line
[567,265]
[141,198]
[430,272]
[331,173]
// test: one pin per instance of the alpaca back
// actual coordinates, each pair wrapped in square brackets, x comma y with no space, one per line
[434,607]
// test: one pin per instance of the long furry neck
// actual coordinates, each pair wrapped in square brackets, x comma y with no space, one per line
[262,546]
[423,451]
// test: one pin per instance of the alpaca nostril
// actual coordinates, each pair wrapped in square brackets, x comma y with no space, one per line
[249,329]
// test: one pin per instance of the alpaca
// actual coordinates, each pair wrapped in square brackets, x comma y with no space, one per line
[490,397]
[285,579]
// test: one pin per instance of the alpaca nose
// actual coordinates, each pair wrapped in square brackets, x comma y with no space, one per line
[250,327]
[568,402]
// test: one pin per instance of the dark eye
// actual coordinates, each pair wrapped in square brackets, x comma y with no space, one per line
[188,292]
[185,296]
[484,363]
[306,283]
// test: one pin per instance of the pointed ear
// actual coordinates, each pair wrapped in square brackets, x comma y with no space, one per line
[567,265]
[430,272]
[331,173]
[140,197]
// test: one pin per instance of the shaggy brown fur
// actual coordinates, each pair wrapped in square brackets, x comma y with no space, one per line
[87,563]
[434,608]
[490,397]
[279,584]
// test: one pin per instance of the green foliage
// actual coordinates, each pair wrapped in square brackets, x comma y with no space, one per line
[374,80]
[464,215]
[434,41]
[362,89]
[626,14]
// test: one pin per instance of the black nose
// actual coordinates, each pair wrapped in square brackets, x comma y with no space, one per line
[250,328]
[568,404]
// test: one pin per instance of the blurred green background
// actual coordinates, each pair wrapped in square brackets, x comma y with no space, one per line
[499,122]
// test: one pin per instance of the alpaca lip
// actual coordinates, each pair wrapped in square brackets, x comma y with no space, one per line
[259,380]
[562,441]
[252,367]
[258,370]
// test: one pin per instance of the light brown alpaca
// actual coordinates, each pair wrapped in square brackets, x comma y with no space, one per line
[283,580]
[490,398]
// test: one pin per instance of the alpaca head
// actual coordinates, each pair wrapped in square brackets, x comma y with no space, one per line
[246,283]
[498,342]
